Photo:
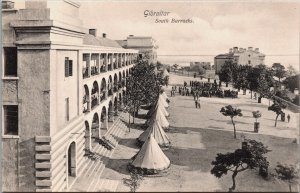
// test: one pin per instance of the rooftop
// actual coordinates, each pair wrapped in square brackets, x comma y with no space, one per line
[89,39]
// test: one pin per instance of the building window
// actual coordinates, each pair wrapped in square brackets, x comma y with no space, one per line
[10,119]
[67,109]
[249,61]
[68,67]
[10,61]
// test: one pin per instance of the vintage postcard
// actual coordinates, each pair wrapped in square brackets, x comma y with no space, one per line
[150,96]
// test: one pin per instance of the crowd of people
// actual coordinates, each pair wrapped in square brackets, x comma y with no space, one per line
[203,89]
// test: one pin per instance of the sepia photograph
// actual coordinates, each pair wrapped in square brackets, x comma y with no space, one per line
[150,96]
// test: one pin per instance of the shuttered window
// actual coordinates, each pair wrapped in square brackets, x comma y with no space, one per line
[68,67]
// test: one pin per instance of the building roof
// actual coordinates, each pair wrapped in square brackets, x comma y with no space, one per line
[122,43]
[89,39]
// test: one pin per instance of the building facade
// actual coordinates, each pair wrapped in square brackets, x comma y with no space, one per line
[240,56]
[144,44]
[62,86]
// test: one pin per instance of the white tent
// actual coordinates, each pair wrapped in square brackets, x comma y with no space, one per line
[151,157]
[164,95]
[163,100]
[157,105]
[158,133]
[158,115]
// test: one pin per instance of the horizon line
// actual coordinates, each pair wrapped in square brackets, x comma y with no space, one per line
[217,54]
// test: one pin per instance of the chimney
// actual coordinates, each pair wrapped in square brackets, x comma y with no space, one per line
[257,50]
[235,49]
[230,50]
[104,35]
[250,48]
[8,5]
[93,32]
[241,49]
[130,35]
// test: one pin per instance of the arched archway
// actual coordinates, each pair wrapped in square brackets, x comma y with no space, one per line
[123,94]
[86,99]
[120,80]
[110,112]
[71,166]
[120,102]
[116,113]
[95,129]
[115,83]
[109,86]
[87,137]
[123,78]
[103,91]
[95,95]
[103,121]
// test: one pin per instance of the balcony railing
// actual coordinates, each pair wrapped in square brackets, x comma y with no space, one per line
[115,88]
[109,67]
[85,72]
[94,70]
[102,68]
[85,104]
[110,92]
[95,100]
[103,95]
[119,85]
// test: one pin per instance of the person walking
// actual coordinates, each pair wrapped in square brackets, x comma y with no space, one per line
[288,117]
[198,102]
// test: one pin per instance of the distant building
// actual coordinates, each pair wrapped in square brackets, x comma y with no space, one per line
[145,45]
[240,56]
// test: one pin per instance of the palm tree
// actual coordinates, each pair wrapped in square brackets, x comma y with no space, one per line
[231,112]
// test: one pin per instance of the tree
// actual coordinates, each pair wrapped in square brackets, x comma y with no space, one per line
[240,81]
[279,71]
[251,156]
[292,82]
[287,173]
[291,71]
[296,100]
[231,112]
[143,86]
[277,108]
[256,115]
[134,181]
[159,65]
[227,70]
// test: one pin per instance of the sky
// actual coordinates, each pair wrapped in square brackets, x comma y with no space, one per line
[271,26]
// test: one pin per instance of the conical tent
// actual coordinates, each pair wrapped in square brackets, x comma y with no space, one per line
[164,95]
[163,100]
[158,133]
[159,105]
[151,158]
[158,115]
